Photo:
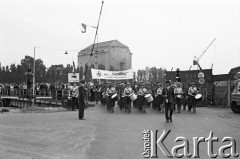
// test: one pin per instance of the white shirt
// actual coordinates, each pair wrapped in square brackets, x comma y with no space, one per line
[75,91]
[159,91]
[127,91]
[192,91]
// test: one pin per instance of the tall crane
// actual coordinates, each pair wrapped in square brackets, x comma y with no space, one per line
[196,60]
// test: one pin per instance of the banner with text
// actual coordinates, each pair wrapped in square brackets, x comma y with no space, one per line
[73,77]
[112,75]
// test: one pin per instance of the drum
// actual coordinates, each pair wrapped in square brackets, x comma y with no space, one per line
[114,97]
[149,98]
[179,96]
[198,97]
[132,96]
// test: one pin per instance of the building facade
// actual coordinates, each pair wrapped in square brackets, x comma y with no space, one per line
[109,55]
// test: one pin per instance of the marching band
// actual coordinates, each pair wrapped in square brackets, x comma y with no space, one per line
[162,97]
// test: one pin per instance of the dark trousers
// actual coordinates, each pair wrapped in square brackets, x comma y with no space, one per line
[81,109]
[154,102]
[141,102]
[121,102]
[179,104]
[97,96]
[168,110]
[159,102]
[110,103]
[135,103]
[128,103]
[74,102]
[192,103]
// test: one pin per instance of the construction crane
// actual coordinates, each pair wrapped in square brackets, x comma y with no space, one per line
[196,60]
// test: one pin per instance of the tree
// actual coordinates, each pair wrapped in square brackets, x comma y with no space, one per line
[20,74]
[40,71]
[153,74]
[101,67]
[111,68]
[13,74]
[40,68]
[55,73]
[3,75]
[7,75]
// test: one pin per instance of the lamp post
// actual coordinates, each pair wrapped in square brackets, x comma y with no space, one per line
[34,67]
[33,77]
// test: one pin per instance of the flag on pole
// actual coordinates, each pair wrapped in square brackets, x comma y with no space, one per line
[195,62]
[84,28]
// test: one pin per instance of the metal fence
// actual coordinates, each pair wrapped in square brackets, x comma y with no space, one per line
[25,93]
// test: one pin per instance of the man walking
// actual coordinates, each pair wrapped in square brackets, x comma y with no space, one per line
[81,100]
[168,94]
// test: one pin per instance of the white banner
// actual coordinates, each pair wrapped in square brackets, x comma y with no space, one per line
[73,77]
[112,75]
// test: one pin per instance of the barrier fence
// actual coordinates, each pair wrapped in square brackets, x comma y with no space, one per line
[22,98]
[26,93]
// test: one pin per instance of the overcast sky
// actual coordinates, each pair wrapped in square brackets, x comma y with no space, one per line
[161,33]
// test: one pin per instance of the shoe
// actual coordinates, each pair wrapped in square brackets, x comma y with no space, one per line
[171,120]
[167,121]
[82,119]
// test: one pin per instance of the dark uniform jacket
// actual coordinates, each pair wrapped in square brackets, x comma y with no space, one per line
[81,91]
[170,94]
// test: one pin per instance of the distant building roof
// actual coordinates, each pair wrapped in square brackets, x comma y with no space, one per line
[103,46]
[221,77]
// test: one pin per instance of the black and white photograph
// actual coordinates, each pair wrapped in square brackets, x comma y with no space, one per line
[119,79]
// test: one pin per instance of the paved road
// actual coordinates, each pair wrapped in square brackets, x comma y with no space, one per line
[104,135]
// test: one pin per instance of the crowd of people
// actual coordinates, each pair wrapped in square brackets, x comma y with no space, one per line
[167,97]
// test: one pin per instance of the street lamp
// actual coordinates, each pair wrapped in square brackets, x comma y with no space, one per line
[34,67]
[34,77]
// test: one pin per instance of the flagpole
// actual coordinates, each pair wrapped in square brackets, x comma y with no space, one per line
[91,54]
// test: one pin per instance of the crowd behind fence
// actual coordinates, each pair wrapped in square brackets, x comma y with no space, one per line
[27,93]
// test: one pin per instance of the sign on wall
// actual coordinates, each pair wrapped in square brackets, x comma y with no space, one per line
[73,77]
[113,75]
